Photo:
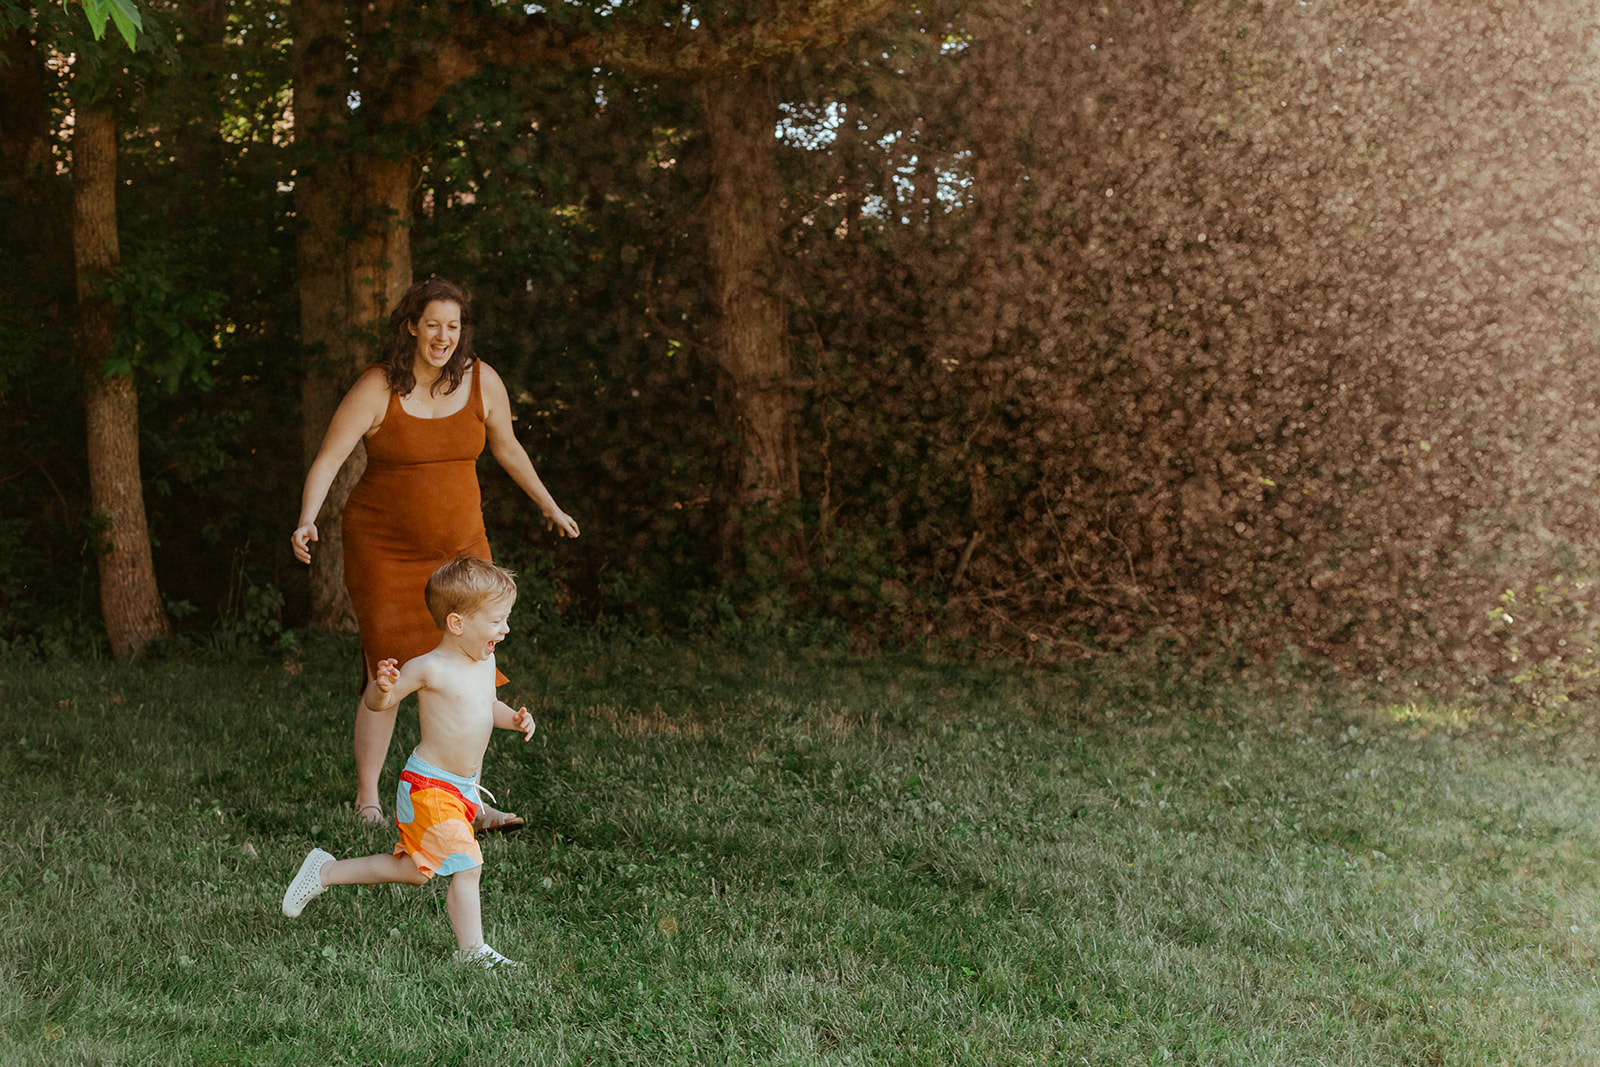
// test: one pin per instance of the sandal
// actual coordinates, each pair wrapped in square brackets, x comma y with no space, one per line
[375,819]
[505,823]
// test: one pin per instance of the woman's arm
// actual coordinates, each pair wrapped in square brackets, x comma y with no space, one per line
[359,413]
[510,453]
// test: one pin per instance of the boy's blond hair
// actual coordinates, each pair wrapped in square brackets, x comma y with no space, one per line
[464,585]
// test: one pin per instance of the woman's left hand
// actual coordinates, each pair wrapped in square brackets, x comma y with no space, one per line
[560,520]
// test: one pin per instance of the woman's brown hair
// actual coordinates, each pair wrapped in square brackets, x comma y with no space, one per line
[400,346]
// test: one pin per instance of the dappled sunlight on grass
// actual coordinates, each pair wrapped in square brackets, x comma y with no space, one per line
[759,858]
[1430,718]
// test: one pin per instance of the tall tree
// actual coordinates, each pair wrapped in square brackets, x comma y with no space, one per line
[755,388]
[322,85]
[129,599]
[24,128]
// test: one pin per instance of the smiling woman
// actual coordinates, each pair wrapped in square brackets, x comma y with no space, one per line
[417,505]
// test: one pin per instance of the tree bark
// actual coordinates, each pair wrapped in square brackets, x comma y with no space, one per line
[27,168]
[24,116]
[353,199]
[322,204]
[755,395]
[129,599]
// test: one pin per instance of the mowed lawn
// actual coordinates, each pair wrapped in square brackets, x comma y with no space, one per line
[768,857]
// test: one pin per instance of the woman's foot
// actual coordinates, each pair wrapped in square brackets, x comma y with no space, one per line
[493,821]
[371,814]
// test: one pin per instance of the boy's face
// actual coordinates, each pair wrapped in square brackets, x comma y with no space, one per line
[484,627]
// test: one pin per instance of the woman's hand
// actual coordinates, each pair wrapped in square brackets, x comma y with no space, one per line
[560,520]
[301,540]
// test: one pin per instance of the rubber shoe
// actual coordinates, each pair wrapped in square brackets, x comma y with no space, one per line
[483,956]
[307,883]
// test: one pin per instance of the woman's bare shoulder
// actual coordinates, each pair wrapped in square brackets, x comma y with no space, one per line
[373,376]
[494,389]
[371,388]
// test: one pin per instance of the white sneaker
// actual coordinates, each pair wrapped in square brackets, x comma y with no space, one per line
[307,883]
[483,956]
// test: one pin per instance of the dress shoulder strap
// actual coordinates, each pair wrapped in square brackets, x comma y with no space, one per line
[476,395]
[388,408]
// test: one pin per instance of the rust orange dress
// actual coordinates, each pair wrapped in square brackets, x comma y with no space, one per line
[416,507]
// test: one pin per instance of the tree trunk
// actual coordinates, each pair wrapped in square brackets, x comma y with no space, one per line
[24,122]
[321,202]
[379,258]
[755,399]
[129,599]
[353,200]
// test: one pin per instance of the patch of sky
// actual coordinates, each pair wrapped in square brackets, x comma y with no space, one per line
[354,99]
[809,126]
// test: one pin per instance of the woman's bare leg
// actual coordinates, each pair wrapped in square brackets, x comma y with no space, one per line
[374,729]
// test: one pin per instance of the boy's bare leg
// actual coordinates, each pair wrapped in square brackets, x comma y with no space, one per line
[373,732]
[461,904]
[373,870]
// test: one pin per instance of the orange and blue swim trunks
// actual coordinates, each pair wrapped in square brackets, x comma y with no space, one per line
[434,809]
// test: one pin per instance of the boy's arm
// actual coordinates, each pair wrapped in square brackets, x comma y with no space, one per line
[506,719]
[392,684]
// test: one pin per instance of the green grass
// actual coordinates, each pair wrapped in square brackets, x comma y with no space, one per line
[803,859]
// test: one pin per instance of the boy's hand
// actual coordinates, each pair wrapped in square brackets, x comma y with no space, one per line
[521,720]
[388,674]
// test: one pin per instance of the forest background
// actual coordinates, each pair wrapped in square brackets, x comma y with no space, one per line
[1043,330]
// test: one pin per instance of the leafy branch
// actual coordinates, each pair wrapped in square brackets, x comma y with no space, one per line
[122,12]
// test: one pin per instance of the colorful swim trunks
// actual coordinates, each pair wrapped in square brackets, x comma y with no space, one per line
[434,814]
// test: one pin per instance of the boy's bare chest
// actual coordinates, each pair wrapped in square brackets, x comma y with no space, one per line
[463,701]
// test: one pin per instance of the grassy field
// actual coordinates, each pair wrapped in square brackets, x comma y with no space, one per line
[803,858]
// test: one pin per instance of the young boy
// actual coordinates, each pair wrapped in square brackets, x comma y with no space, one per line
[470,600]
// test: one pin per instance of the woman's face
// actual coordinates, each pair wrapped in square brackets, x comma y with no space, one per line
[437,330]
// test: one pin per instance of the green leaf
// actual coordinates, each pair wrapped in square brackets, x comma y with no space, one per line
[123,12]
[127,18]
[97,12]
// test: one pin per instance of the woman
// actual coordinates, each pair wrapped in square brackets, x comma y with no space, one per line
[425,412]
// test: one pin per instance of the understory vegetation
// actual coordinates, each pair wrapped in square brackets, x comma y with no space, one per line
[739,856]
